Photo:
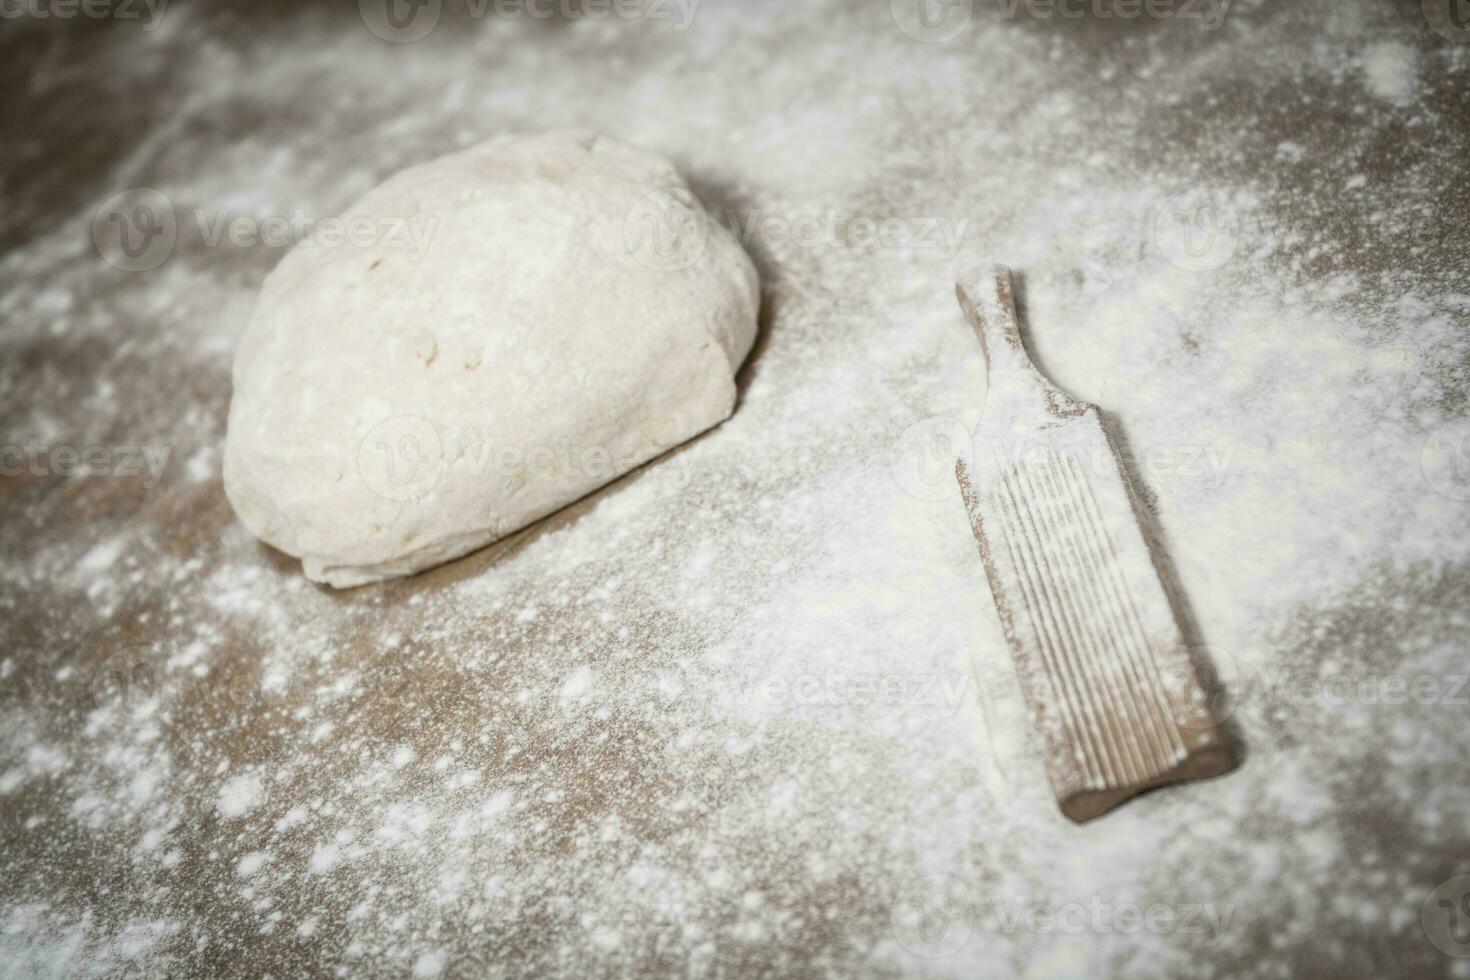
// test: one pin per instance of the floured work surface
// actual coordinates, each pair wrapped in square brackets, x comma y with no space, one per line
[749,709]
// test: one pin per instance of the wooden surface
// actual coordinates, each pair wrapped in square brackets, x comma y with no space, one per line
[747,712]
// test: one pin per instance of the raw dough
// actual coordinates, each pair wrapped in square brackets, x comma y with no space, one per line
[504,330]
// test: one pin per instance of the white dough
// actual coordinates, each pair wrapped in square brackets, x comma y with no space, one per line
[509,328]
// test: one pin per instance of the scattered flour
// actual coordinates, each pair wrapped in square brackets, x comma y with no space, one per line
[251,863]
[1391,69]
[239,795]
[748,711]
[429,965]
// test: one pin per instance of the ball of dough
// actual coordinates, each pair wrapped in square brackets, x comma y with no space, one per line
[482,340]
